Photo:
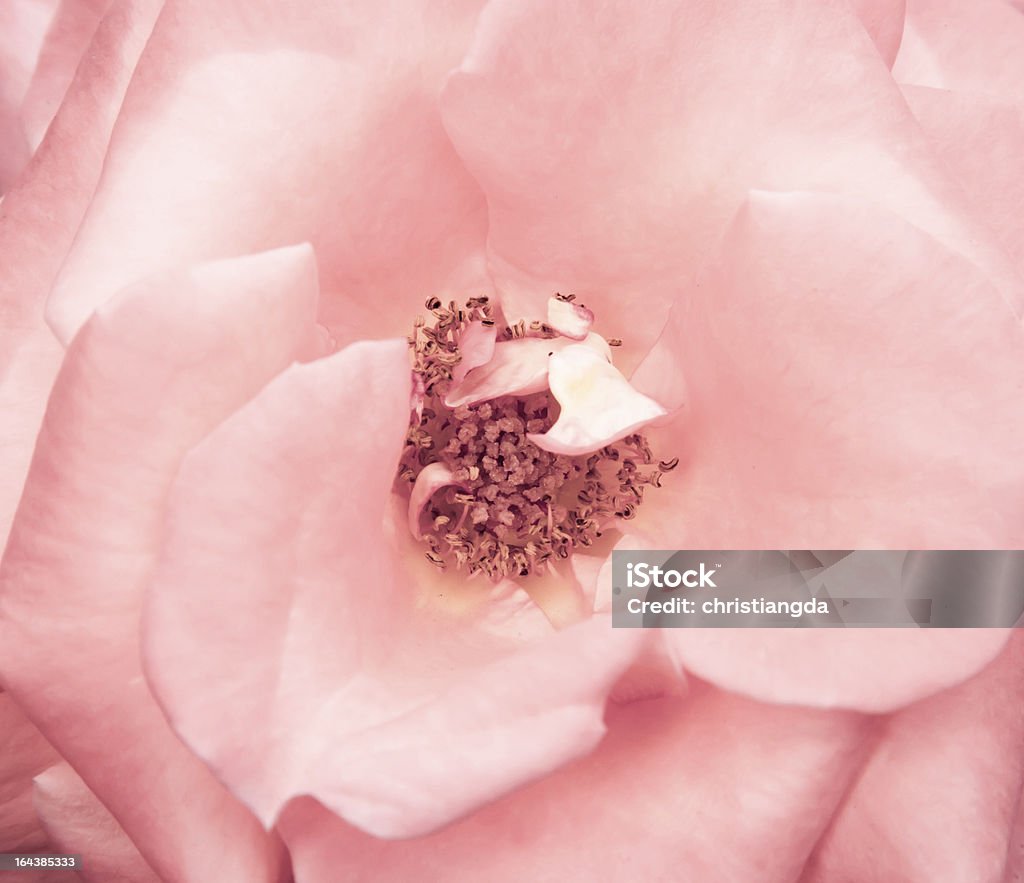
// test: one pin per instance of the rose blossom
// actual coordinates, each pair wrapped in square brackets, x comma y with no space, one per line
[801,220]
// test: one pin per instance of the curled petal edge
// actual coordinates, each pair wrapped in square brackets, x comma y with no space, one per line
[599,406]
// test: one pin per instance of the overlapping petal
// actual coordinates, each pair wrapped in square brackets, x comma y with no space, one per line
[147,377]
[938,797]
[853,385]
[613,173]
[23,25]
[968,48]
[38,220]
[23,754]
[277,602]
[674,781]
[884,22]
[981,140]
[252,125]
[78,824]
[68,37]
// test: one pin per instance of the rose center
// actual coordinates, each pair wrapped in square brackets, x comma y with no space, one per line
[505,507]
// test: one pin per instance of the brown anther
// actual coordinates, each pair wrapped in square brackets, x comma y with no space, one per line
[614,341]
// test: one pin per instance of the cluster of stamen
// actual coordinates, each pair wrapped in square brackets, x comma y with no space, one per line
[516,508]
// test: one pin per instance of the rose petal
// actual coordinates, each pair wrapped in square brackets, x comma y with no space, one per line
[553,118]
[78,824]
[598,406]
[569,319]
[292,531]
[673,781]
[518,367]
[147,377]
[1015,854]
[949,764]
[982,141]
[38,223]
[366,172]
[430,480]
[853,385]
[883,20]
[975,48]
[23,25]
[23,754]
[476,346]
[69,35]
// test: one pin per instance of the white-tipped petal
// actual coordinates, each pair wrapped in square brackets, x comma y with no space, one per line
[518,367]
[430,480]
[569,319]
[476,345]
[598,404]
[597,343]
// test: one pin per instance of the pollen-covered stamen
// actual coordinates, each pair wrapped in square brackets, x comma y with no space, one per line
[483,496]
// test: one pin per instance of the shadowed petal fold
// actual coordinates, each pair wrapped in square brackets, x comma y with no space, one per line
[23,753]
[78,824]
[23,25]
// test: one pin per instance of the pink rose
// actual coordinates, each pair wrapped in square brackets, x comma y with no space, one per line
[225,653]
